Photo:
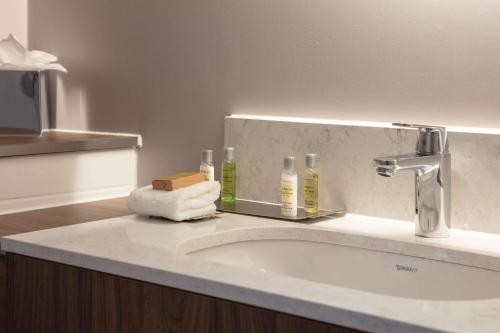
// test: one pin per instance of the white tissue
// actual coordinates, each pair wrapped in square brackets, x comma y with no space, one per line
[14,56]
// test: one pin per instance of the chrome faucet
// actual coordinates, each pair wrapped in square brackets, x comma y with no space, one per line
[432,166]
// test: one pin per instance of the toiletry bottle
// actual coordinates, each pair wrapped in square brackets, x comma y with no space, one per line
[311,194]
[228,176]
[207,167]
[289,188]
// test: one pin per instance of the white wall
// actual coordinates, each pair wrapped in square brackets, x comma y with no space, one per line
[48,180]
[171,69]
[13,19]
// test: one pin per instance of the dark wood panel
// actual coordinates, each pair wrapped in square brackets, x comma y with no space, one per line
[3,300]
[45,296]
[50,218]
[34,220]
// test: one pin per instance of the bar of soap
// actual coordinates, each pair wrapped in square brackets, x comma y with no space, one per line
[177,181]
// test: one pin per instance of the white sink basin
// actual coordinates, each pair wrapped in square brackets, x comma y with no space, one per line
[351,267]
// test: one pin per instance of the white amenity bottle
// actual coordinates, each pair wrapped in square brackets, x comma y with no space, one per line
[289,188]
[207,166]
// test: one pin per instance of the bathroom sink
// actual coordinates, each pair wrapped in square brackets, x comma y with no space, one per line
[351,267]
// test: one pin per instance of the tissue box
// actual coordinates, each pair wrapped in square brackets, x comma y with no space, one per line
[23,102]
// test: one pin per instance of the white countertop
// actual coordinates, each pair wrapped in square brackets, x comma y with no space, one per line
[148,250]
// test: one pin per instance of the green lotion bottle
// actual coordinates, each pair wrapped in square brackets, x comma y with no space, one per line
[311,182]
[228,176]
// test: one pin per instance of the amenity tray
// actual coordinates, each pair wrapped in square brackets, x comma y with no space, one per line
[272,210]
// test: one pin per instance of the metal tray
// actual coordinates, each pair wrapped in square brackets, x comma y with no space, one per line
[272,210]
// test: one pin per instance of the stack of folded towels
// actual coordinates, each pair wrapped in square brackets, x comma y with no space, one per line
[187,203]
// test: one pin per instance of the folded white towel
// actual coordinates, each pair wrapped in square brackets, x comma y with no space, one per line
[192,214]
[186,203]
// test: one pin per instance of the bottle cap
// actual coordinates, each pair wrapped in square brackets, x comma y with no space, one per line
[228,153]
[289,163]
[311,161]
[206,156]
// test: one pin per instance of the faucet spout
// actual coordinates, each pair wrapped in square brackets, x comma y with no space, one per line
[431,164]
[387,166]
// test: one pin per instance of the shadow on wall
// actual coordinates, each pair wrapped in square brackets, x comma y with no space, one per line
[68,105]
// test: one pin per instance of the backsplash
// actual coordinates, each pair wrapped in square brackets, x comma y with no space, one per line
[347,176]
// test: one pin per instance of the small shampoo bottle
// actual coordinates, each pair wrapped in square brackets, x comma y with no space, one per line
[311,181]
[228,176]
[207,167]
[289,188]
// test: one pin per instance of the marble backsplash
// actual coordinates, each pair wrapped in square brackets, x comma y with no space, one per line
[347,177]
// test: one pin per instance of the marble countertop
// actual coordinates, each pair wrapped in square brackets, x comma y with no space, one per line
[152,250]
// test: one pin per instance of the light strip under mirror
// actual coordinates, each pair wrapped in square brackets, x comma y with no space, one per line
[361,123]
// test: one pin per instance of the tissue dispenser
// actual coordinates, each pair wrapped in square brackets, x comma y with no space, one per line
[23,102]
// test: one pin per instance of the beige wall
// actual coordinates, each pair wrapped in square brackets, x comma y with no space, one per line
[13,19]
[171,69]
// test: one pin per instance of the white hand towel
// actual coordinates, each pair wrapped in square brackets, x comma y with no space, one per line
[191,214]
[186,203]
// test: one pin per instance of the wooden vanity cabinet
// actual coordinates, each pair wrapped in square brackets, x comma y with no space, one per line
[44,296]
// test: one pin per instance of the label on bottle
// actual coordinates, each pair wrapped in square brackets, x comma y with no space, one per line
[207,171]
[288,197]
[228,181]
[311,191]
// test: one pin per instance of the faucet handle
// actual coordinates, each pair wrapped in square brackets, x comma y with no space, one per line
[431,139]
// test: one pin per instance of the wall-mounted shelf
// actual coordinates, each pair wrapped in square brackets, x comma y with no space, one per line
[56,141]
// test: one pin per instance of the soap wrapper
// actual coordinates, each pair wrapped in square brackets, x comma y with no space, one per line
[14,56]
